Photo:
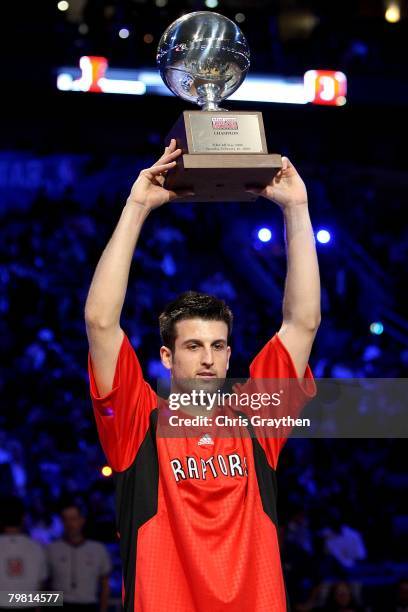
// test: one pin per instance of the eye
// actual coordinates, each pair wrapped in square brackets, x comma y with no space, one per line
[192,346]
[219,346]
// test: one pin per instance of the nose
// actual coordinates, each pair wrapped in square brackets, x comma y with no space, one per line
[207,358]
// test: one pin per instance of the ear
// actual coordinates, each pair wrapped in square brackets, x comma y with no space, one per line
[166,357]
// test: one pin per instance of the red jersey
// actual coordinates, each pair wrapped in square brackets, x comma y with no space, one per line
[196,516]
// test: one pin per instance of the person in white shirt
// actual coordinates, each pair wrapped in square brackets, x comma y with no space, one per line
[79,567]
[23,565]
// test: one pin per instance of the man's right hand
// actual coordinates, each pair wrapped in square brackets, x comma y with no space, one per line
[148,189]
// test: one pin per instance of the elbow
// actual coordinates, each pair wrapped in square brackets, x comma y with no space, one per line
[96,321]
[310,324]
[314,324]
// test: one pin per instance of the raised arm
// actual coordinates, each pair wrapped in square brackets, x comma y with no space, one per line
[108,288]
[301,302]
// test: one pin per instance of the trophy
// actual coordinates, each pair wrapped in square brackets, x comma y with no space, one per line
[203,57]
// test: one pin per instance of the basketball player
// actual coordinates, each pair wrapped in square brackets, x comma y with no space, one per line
[196,516]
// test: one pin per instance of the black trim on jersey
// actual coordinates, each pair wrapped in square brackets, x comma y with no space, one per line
[268,486]
[136,502]
[265,475]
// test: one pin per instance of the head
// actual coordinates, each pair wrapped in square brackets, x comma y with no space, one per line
[195,329]
[73,520]
[340,595]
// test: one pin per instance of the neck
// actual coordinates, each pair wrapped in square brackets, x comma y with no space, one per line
[75,539]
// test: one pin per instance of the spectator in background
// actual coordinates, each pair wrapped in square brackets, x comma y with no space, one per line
[79,567]
[340,599]
[23,565]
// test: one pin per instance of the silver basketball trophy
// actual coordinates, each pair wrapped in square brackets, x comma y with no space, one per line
[203,57]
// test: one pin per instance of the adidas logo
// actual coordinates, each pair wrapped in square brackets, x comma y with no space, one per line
[205,439]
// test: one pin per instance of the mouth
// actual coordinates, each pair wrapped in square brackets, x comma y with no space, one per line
[206,374]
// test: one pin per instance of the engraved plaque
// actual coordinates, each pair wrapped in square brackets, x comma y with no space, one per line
[232,133]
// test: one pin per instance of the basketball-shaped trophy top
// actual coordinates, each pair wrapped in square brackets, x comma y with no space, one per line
[203,57]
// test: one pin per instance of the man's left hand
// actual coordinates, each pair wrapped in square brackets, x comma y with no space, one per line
[286,188]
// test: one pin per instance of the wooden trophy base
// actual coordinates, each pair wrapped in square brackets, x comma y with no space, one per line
[223,153]
[222,177]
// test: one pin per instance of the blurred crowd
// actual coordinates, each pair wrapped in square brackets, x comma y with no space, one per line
[340,502]
[284,37]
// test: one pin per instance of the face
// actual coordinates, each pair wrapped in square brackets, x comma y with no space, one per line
[342,594]
[201,352]
[73,522]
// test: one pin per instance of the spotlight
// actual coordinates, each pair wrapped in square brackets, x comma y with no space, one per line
[124,33]
[323,236]
[211,3]
[63,5]
[161,3]
[240,17]
[106,471]
[148,38]
[264,234]
[376,328]
[393,13]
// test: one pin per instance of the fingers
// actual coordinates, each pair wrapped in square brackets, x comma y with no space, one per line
[172,146]
[170,152]
[288,167]
[255,189]
[158,169]
[182,193]
[168,157]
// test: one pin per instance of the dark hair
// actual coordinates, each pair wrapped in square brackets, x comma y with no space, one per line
[192,305]
[331,597]
[67,503]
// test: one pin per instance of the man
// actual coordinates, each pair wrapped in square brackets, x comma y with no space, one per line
[79,567]
[23,564]
[196,517]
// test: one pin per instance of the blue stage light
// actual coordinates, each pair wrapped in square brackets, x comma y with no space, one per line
[376,328]
[264,234]
[323,236]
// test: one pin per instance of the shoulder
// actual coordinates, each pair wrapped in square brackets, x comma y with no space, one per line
[94,546]
[55,546]
[32,545]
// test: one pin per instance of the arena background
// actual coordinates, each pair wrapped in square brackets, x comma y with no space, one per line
[67,161]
